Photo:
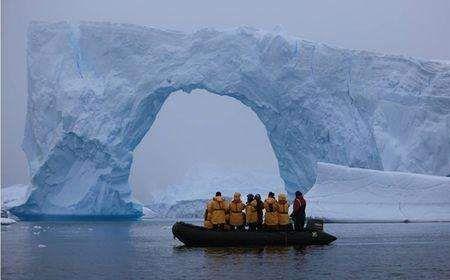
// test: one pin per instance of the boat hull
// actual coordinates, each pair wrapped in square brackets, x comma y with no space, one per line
[195,236]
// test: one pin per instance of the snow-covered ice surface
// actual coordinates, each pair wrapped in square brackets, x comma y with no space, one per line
[149,213]
[344,194]
[94,90]
[15,195]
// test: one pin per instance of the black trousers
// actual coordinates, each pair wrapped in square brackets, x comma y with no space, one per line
[219,226]
[241,227]
[252,226]
[299,222]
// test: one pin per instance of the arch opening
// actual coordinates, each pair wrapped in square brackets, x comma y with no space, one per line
[201,142]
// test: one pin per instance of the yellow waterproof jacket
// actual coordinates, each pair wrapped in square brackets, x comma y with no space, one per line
[207,223]
[235,209]
[271,207]
[217,207]
[283,209]
[251,214]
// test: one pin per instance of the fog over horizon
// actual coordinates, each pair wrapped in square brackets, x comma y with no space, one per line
[202,127]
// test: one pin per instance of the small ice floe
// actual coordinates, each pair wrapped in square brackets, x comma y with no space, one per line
[42,246]
[37,227]
[7,221]
[90,229]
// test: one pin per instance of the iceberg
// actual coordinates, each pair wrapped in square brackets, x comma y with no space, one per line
[202,182]
[94,90]
[344,194]
[188,198]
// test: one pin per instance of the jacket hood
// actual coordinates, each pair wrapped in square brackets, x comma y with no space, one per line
[237,197]
[282,198]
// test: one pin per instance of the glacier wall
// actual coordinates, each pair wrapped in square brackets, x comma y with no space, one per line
[94,90]
[344,194]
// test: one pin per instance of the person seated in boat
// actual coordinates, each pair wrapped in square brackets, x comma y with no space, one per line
[218,208]
[298,212]
[237,217]
[207,220]
[251,214]
[259,211]
[283,213]
[271,207]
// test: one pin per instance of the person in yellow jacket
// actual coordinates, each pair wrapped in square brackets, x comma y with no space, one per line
[251,214]
[283,215]
[218,208]
[235,208]
[271,207]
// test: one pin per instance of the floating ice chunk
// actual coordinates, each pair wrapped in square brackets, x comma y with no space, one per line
[7,221]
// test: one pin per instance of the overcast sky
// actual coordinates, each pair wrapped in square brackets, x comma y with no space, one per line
[415,28]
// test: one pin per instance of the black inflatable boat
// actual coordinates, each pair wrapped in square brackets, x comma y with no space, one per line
[196,236]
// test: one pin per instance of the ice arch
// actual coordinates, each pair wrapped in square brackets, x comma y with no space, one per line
[201,142]
[95,89]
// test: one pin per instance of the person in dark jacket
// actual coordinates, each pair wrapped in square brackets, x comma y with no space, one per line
[298,214]
[259,210]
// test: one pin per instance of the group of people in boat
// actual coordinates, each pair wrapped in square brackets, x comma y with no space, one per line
[272,214]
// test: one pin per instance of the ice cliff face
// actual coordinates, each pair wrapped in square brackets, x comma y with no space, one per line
[96,88]
[346,194]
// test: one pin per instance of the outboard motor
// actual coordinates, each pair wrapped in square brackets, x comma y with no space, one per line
[314,225]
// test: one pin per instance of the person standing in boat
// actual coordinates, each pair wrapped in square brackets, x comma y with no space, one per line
[271,207]
[259,211]
[298,214]
[218,208]
[283,213]
[237,217]
[251,214]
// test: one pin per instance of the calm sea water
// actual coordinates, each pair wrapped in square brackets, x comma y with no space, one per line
[146,250]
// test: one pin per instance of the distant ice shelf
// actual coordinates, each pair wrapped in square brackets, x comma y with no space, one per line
[344,194]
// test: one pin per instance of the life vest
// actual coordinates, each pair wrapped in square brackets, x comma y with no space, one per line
[299,207]
[217,207]
[283,209]
[251,214]
[271,207]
